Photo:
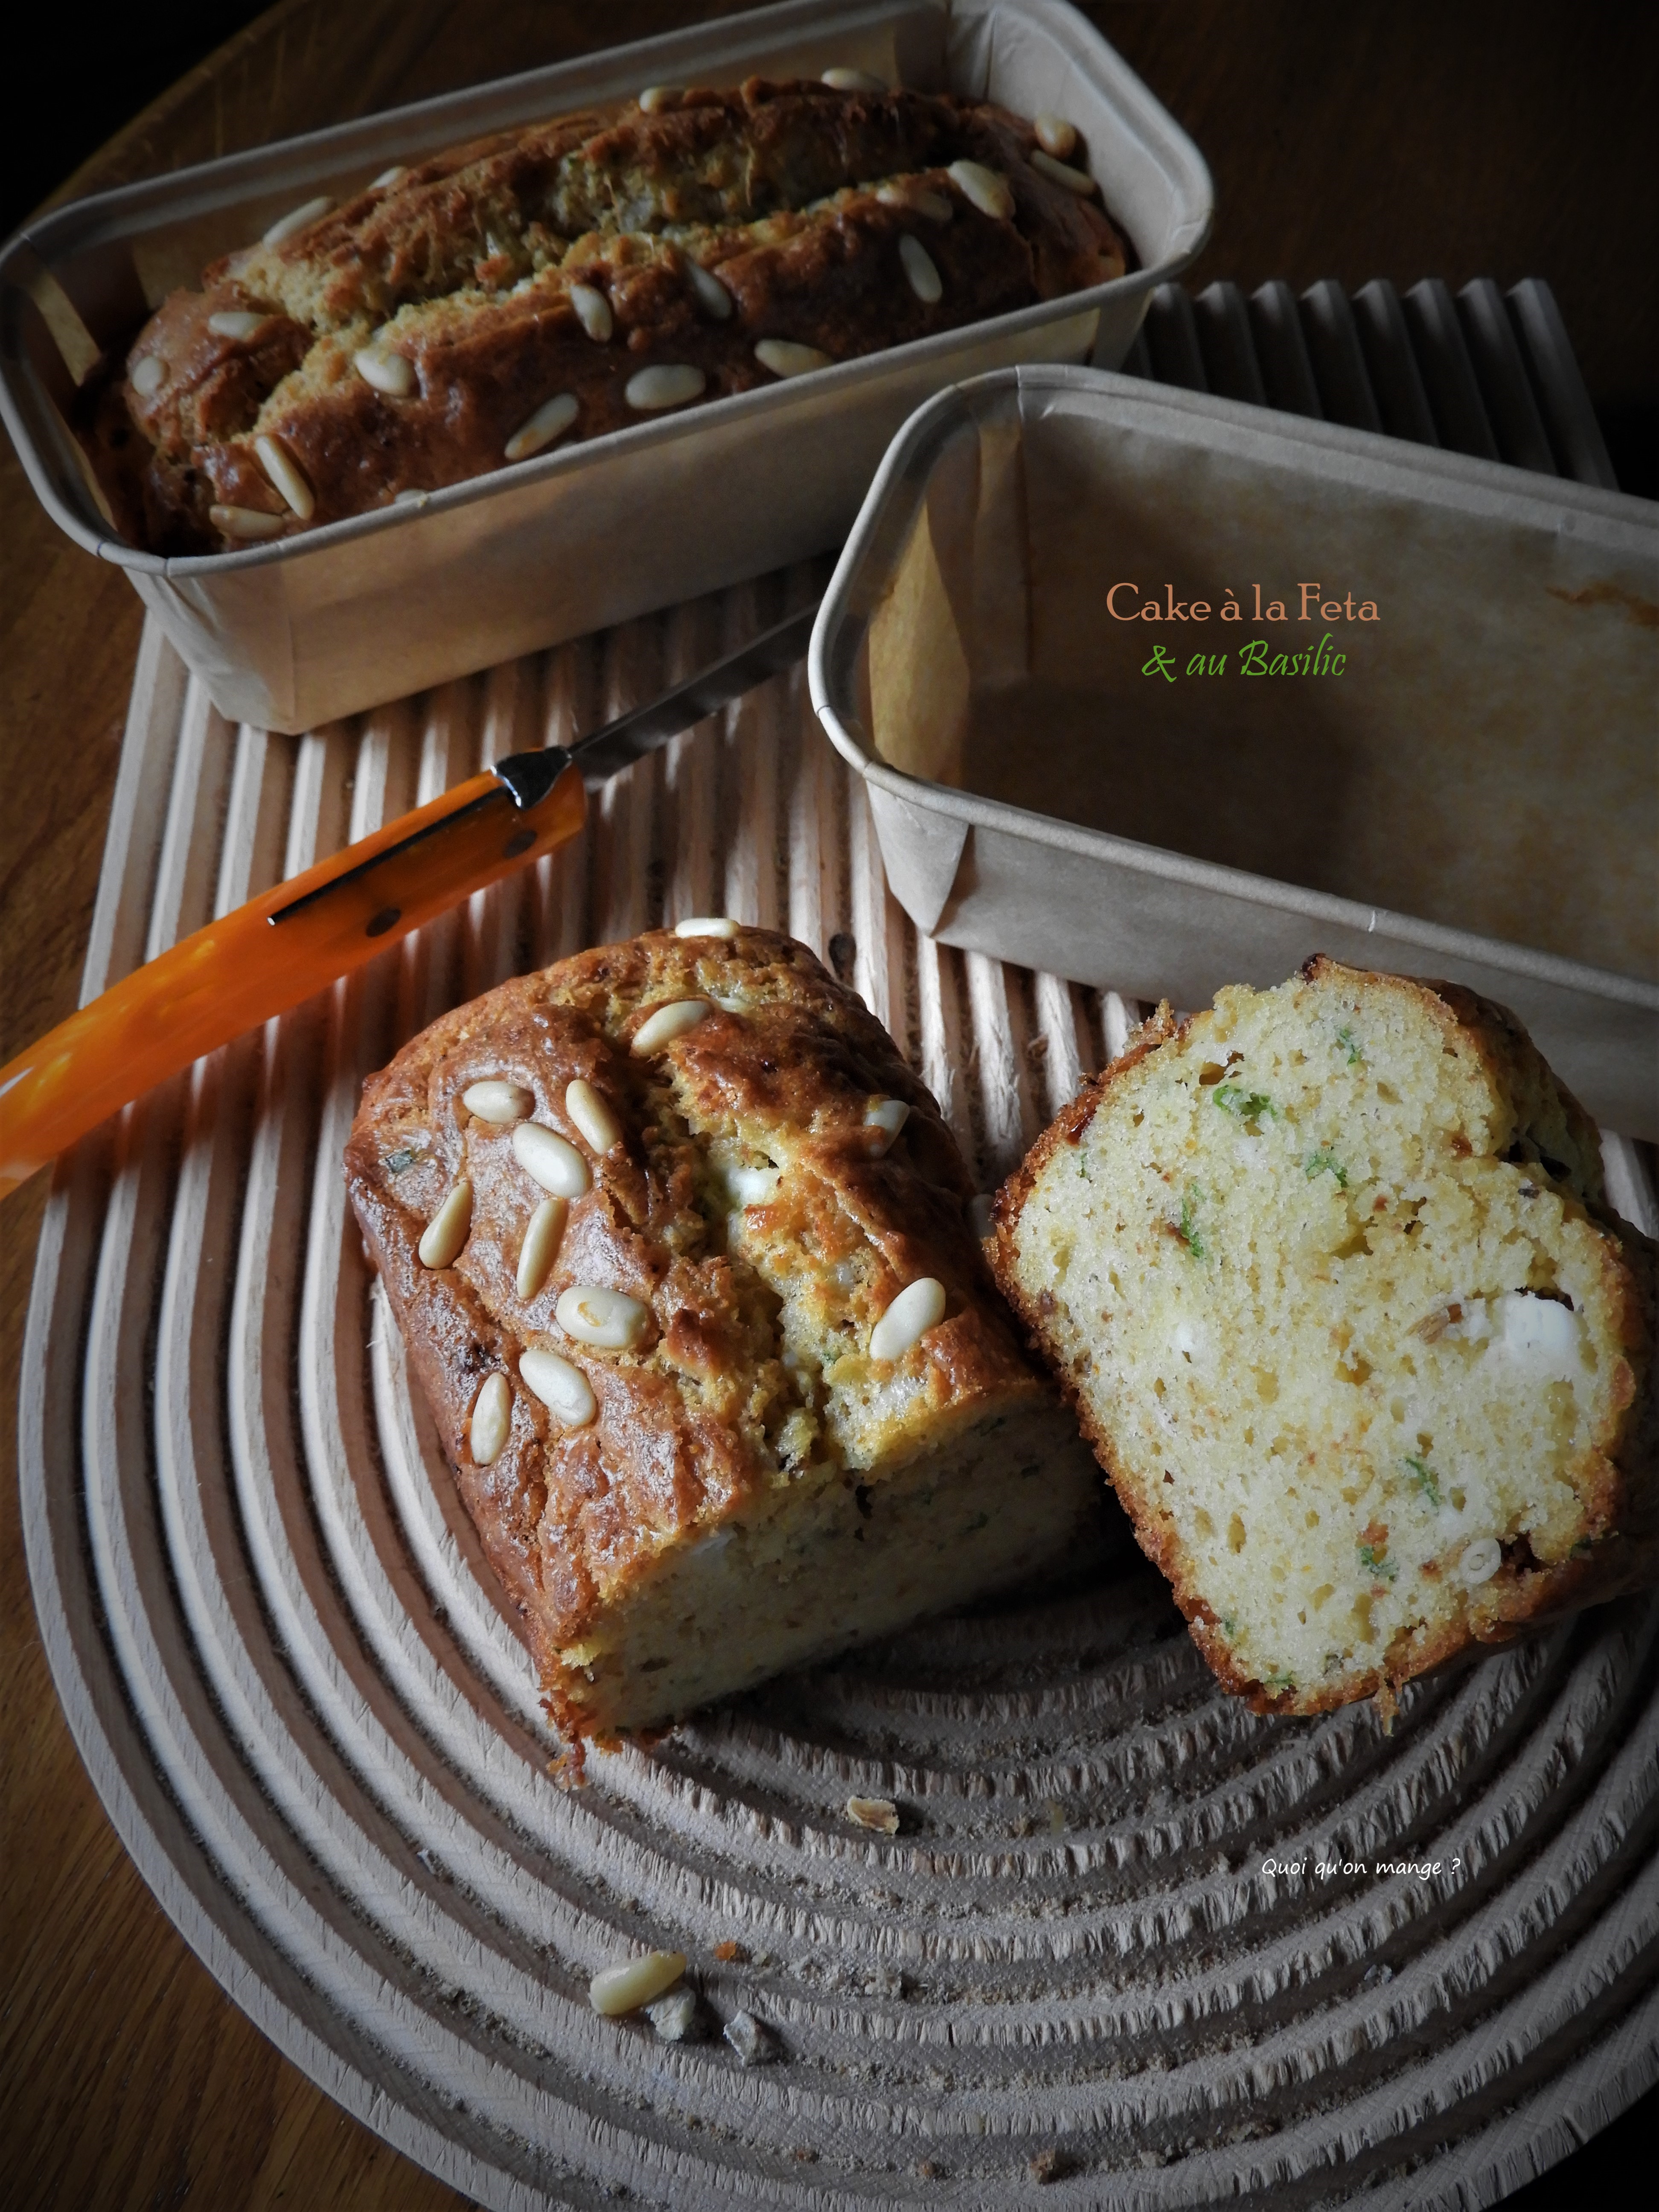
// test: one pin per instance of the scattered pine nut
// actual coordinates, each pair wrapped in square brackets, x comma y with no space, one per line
[986,189]
[550,419]
[1481,1561]
[592,312]
[541,1246]
[1055,135]
[496,1100]
[606,1319]
[1075,180]
[560,1385]
[884,1118]
[285,477]
[492,1420]
[445,1236]
[246,522]
[593,1114]
[922,271]
[616,1990]
[151,373]
[551,1160]
[716,299]
[877,1813]
[918,199]
[664,1024]
[391,372]
[706,924]
[297,219]
[668,384]
[919,1307]
[851,80]
[785,358]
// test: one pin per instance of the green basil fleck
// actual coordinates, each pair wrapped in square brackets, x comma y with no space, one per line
[1188,1232]
[1248,1105]
[1423,1476]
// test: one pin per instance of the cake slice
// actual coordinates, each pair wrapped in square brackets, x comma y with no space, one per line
[1330,1275]
[680,1250]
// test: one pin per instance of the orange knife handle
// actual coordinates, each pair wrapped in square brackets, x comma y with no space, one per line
[267,956]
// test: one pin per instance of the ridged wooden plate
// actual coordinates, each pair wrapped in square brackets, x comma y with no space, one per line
[1099,1962]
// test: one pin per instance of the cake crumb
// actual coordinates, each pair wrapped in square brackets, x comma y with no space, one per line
[569,1769]
[674,2017]
[877,1813]
[883,1981]
[754,2043]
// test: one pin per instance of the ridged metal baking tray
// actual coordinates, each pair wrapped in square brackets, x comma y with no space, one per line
[1081,1974]
[294,634]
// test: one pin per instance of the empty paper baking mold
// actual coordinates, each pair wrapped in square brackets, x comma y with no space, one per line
[1463,787]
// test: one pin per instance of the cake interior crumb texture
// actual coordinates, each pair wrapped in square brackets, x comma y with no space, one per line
[1328,1272]
[813,1566]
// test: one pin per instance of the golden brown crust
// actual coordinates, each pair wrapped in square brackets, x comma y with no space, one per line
[1616,1479]
[797,195]
[693,1422]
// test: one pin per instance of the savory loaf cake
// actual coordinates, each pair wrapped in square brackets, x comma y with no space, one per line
[570,278]
[1330,1274]
[679,1248]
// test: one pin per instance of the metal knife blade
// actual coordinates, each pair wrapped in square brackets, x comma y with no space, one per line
[604,753]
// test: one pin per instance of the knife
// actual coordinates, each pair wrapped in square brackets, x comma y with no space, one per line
[292,940]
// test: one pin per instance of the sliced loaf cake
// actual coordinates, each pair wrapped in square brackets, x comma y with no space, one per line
[1330,1275]
[680,1250]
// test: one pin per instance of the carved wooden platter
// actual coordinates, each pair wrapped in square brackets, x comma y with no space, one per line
[1130,1945]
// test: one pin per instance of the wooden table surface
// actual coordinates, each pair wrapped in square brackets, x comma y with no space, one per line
[1501,138]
